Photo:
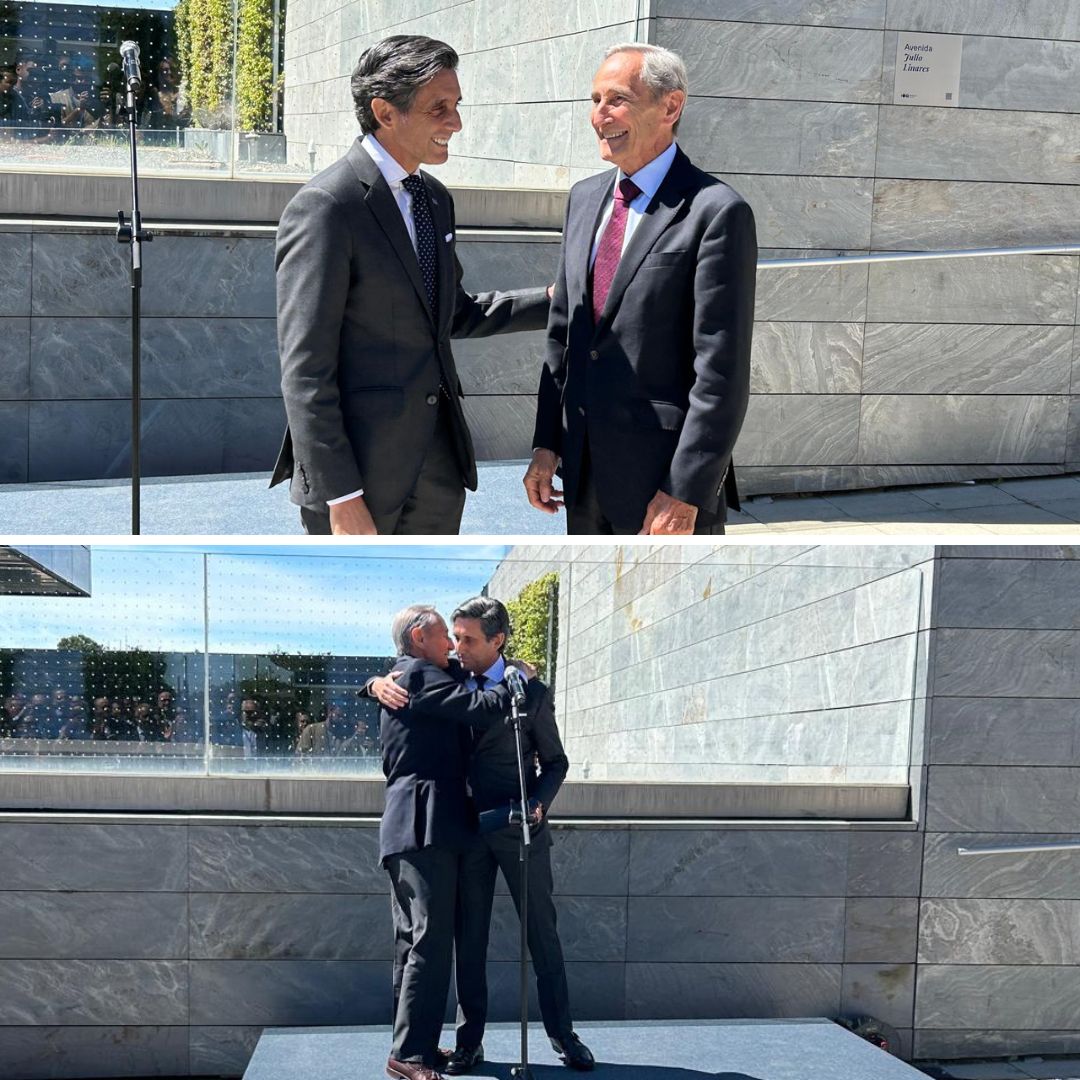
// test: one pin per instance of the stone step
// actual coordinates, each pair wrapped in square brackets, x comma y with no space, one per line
[811,1049]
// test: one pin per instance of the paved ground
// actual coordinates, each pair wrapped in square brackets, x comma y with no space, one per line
[242,505]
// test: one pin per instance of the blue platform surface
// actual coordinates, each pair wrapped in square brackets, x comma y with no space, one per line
[811,1049]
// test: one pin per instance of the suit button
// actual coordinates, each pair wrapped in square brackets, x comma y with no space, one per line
[581,409]
[594,355]
[433,399]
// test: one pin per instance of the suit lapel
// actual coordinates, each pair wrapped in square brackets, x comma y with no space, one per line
[658,215]
[384,208]
[579,244]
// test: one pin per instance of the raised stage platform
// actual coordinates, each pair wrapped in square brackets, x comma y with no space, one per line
[634,1050]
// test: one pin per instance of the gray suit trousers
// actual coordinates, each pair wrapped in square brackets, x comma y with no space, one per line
[476,889]
[423,885]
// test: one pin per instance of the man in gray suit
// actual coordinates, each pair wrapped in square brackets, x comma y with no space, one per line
[369,295]
[648,361]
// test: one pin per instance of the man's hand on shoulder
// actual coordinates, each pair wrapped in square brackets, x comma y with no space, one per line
[387,692]
[538,481]
[667,516]
[352,518]
[524,667]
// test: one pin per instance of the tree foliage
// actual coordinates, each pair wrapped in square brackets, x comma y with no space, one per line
[534,622]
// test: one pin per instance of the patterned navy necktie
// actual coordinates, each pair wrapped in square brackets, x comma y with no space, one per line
[426,252]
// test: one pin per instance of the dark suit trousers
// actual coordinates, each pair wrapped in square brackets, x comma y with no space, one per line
[433,507]
[586,517]
[476,888]
[422,889]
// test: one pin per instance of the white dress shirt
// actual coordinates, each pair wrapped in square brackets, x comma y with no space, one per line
[393,174]
[648,178]
[493,674]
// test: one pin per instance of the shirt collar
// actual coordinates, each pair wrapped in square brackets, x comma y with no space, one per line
[392,172]
[496,671]
[649,177]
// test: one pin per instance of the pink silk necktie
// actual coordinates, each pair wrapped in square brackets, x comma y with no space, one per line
[610,249]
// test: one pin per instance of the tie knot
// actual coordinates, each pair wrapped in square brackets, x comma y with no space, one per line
[413,184]
[481,681]
[628,190]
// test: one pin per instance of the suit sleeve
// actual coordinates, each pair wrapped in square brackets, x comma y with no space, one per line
[494,312]
[723,326]
[550,755]
[313,263]
[547,434]
[438,693]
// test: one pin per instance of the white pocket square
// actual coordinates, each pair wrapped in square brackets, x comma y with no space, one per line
[449,236]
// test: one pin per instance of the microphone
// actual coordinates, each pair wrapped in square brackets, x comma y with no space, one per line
[129,53]
[516,682]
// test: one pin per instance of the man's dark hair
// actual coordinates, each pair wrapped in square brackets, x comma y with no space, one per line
[395,69]
[493,616]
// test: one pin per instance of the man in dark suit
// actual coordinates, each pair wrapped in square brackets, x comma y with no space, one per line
[648,363]
[481,628]
[369,296]
[426,825]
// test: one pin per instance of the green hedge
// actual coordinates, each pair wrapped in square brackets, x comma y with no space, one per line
[534,621]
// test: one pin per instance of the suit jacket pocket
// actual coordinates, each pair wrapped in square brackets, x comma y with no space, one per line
[659,415]
[663,258]
[375,402]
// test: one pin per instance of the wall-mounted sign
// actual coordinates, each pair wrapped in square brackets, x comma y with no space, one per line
[927,69]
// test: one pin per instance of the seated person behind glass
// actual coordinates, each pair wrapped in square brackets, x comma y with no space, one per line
[10,102]
[163,106]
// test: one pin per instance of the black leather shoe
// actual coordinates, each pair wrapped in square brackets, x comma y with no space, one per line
[574,1052]
[463,1059]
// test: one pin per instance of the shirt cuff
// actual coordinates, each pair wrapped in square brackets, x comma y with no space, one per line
[344,498]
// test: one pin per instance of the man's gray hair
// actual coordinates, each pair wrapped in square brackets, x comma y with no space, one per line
[661,69]
[492,613]
[415,616]
[394,69]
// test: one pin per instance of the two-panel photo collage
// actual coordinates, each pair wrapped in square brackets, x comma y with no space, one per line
[539,536]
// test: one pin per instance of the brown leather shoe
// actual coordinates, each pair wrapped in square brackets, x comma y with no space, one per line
[410,1070]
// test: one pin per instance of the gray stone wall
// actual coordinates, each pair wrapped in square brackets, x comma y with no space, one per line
[142,948]
[721,664]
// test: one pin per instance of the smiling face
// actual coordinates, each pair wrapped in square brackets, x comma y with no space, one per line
[474,650]
[632,125]
[432,642]
[422,135]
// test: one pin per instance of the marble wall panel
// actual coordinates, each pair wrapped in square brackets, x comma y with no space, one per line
[901,358]
[924,430]
[816,293]
[1036,289]
[782,429]
[730,59]
[79,857]
[591,929]
[14,357]
[81,274]
[705,991]
[832,212]
[15,273]
[1044,19]
[1011,998]
[793,138]
[502,265]
[87,992]
[807,358]
[49,1052]
[794,930]
[290,926]
[1072,446]
[992,799]
[939,1043]
[79,440]
[973,144]
[1018,73]
[537,131]
[884,991]
[501,426]
[1028,932]
[943,215]
[597,991]
[1007,663]
[290,992]
[88,926]
[220,1050]
[881,930]
[209,358]
[1004,731]
[1038,595]
[286,859]
[885,863]
[209,277]
[864,13]
[1046,875]
[503,364]
[80,358]
[496,24]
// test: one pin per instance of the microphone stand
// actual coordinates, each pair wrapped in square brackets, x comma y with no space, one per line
[133,234]
[521,1071]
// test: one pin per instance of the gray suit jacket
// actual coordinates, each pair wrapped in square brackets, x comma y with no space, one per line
[660,384]
[362,354]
